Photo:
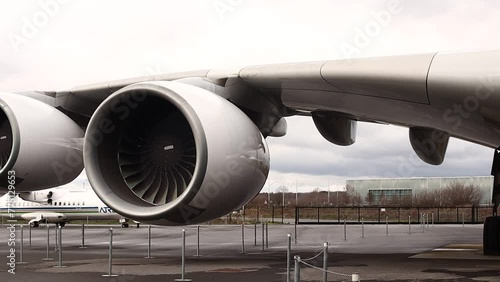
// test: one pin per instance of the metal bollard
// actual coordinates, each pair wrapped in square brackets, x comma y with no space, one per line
[267,235]
[297,269]
[83,237]
[355,277]
[198,241]
[243,238]
[183,260]
[59,242]
[29,226]
[56,240]
[288,256]
[149,243]
[110,259]
[427,220]
[255,234]
[22,247]
[262,236]
[422,222]
[345,230]
[362,228]
[325,262]
[295,237]
[48,244]
[409,224]
[386,226]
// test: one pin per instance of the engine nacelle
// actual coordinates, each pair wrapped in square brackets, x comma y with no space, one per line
[44,197]
[38,143]
[173,154]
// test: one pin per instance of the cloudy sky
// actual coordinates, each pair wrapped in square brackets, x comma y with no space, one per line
[51,44]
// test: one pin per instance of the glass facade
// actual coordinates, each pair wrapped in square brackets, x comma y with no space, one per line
[390,188]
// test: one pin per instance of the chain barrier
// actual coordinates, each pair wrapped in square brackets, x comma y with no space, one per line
[314,257]
[328,271]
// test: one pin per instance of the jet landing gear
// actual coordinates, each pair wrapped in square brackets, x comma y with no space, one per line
[491,231]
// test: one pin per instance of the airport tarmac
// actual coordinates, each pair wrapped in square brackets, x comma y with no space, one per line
[441,253]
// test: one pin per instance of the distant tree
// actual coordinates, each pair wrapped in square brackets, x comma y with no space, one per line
[356,200]
[406,201]
[370,199]
[459,194]
[427,198]
[283,191]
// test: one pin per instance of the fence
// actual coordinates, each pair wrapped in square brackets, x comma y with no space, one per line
[371,215]
[444,215]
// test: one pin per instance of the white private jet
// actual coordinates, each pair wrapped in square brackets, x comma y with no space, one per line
[58,206]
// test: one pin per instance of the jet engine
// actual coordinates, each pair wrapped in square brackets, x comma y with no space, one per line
[44,197]
[40,147]
[170,153]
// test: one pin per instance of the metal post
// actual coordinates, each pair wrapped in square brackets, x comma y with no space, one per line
[29,226]
[183,260]
[262,225]
[288,256]
[325,262]
[56,242]
[22,247]
[297,269]
[427,220]
[386,226]
[243,238]
[422,222]
[345,230]
[149,243]
[48,244]
[409,224]
[255,234]
[83,237]
[463,220]
[267,235]
[432,219]
[59,242]
[295,230]
[198,241]
[110,259]
[362,227]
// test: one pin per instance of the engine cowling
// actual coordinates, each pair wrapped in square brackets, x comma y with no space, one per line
[173,154]
[40,144]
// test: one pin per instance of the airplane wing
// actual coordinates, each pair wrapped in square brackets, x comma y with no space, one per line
[161,149]
[452,92]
